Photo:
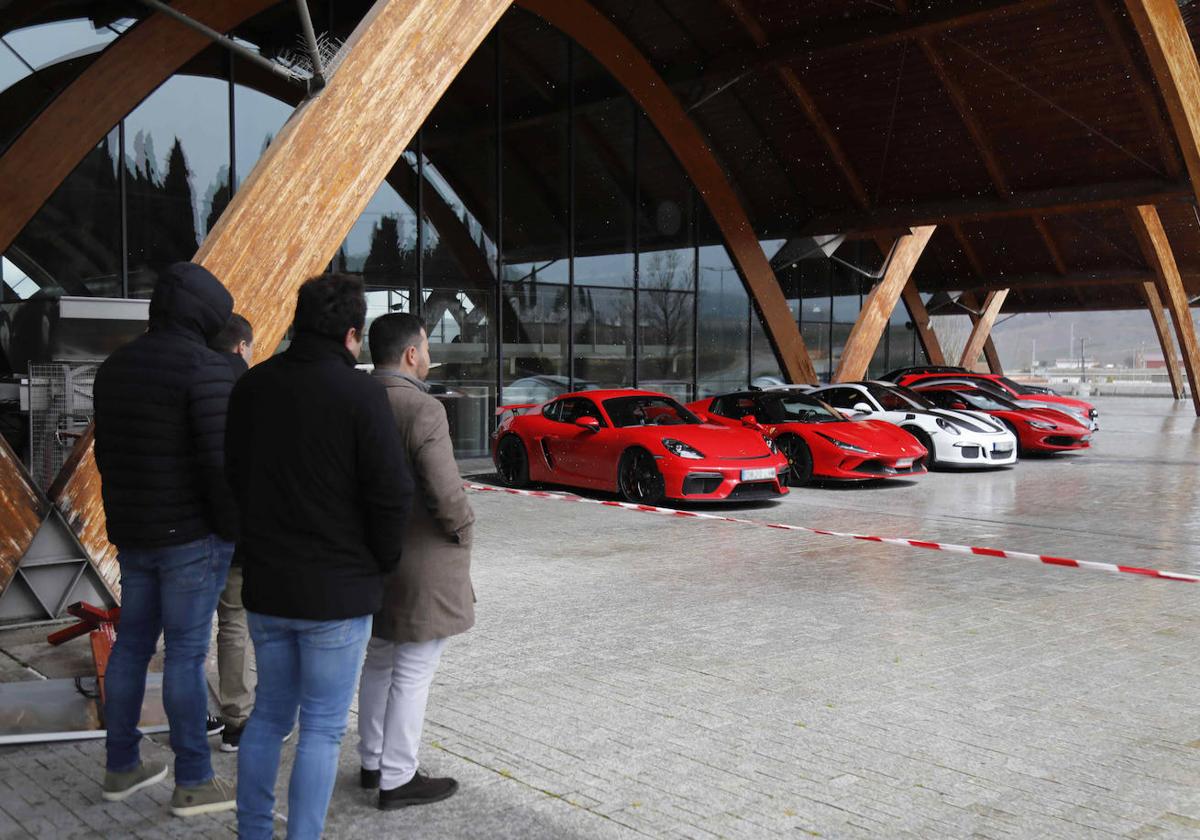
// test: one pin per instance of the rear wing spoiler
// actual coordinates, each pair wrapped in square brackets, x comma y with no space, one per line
[506,411]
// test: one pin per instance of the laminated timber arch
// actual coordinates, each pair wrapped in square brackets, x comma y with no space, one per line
[287,220]
[593,31]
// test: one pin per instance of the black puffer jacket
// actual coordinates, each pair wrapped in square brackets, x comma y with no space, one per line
[160,420]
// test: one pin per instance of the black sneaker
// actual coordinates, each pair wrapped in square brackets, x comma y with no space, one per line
[420,790]
[368,779]
[214,725]
[232,737]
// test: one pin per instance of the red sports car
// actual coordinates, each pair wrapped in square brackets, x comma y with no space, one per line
[1081,411]
[641,444]
[819,441]
[1037,429]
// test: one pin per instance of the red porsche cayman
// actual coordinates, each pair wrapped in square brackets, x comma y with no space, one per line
[818,440]
[641,444]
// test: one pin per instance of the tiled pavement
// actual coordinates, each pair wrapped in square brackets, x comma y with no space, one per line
[633,675]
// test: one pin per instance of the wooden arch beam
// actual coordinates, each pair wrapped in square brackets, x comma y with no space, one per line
[877,308]
[124,74]
[1173,61]
[329,158]
[920,318]
[616,53]
[1163,331]
[1156,248]
[981,331]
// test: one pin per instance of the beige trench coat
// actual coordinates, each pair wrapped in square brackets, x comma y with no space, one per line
[429,595]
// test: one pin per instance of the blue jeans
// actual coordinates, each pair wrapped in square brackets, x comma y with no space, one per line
[313,667]
[172,591]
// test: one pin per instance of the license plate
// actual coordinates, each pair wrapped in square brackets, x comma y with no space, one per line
[760,474]
[904,463]
[1086,438]
[1001,447]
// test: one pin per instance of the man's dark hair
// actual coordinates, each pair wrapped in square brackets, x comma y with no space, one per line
[236,330]
[330,305]
[391,335]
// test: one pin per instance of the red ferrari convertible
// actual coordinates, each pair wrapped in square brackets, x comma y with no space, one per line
[641,444]
[820,442]
[1037,429]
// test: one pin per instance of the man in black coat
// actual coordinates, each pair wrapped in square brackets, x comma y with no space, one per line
[160,430]
[323,489]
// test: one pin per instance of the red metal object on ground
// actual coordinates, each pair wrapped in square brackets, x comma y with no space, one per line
[101,627]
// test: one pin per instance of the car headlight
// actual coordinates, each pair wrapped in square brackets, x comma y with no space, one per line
[770,444]
[681,450]
[1041,424]
[943,423]
[841,444]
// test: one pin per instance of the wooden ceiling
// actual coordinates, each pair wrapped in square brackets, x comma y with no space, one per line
[1022,128]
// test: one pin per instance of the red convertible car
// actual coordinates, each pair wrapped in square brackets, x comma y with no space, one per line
[1037,429]
[818,440]
[641,444]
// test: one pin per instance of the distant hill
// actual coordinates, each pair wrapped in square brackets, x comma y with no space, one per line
[1112,337]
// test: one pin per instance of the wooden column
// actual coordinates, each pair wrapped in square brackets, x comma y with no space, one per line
[593,31]
[1163,331]
[982,329]
[1157,250]
[78,118]
[877,308]
[921,322]
[1173,60]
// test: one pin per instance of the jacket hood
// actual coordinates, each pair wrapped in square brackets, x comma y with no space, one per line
[189,297]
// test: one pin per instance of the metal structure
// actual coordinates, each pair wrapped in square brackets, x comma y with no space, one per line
[60,409]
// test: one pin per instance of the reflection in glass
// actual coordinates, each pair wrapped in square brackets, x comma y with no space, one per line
[724,324]
[177,173]
[603,337]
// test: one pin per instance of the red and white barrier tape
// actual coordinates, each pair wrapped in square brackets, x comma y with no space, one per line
[933,546]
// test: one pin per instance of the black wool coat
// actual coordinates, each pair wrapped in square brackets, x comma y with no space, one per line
[160,420]
[321,482]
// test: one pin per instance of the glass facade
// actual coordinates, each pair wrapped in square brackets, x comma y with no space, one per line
[537,223]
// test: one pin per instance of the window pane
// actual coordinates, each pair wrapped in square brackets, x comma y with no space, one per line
[177,171]
[257,119]
[534,166]
[535,346]
[603,138]
[724,324]
[462,343]
[666,340]
[603,338]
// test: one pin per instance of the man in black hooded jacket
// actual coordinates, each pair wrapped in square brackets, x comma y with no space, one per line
[160,429]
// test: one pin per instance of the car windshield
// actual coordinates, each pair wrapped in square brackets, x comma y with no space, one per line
[787,408]
[897,398]
[984,401]
[647,411]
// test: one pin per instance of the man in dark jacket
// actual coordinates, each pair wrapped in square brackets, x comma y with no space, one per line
[235,693]
[160,429]
[323,490]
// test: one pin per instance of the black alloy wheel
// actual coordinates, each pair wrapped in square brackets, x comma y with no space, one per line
[638,478]
[800,462]
[931,462]
[512,462]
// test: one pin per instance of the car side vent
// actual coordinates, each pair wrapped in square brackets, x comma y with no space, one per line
[546,454]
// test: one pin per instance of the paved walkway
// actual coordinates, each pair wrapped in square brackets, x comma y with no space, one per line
[634,675]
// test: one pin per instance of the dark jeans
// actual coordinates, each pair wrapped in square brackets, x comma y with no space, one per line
[310,667]
[172,591]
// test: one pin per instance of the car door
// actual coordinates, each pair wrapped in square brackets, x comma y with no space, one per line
[584,453]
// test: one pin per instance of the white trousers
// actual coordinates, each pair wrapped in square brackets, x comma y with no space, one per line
[392,694]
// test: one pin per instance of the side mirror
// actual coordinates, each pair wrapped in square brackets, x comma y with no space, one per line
[863,408]
[589,423]
[702,416]
[750,421]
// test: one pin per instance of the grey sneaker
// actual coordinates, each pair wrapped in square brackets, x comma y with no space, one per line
[210,797]
[118,786]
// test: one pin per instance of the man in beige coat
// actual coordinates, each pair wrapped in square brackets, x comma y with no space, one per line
[429,597]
